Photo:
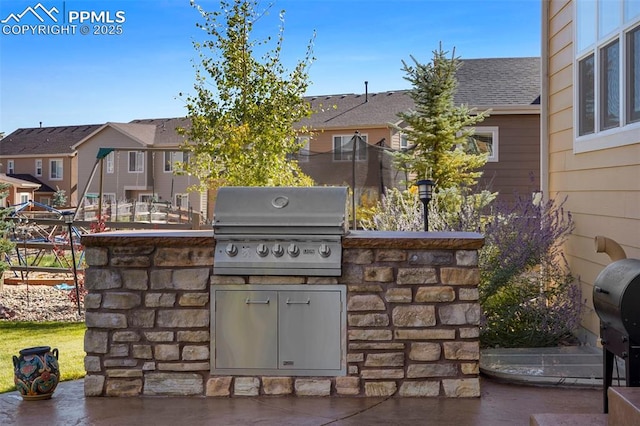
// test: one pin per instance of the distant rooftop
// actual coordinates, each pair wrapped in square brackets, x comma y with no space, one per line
[495,82]
[484,83]
[45,140]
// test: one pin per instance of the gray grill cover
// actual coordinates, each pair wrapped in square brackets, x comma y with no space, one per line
[281,210]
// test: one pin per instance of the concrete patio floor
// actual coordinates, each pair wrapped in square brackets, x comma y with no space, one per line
[516,383]
[556,366]
[500,404]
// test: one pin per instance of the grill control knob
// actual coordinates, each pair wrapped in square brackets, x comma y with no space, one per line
[277,250]
[293,250]
[231,249]
[324,250]
[262,250]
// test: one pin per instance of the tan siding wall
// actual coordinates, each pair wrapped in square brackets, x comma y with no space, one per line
[112,182]
[602,187]
[166,184]
[69,180]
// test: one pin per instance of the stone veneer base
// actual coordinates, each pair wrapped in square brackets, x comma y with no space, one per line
[412,317]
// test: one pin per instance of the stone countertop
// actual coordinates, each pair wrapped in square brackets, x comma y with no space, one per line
[355,239]
[158,238]
[413,240]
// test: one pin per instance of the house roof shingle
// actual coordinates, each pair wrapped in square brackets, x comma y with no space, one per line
[29,178]
[16,180]
[499,81]
[45,140]
[493,82]
[166,134]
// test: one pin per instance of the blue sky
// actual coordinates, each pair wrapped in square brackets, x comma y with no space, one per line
[66,79]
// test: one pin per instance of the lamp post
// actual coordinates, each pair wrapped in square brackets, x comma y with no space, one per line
[68,219]
[425,193]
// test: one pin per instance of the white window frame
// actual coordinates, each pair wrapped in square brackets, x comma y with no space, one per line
[147,197]
[23,197]
[45,201]
[173,160]
[110,159]
[57,176]
[600,12]
[38,167]
[495,140]
[340,155]
[181,197]
[11,167]
[404,141]
[108,198]
[139,161]
[168,159]
[303,153]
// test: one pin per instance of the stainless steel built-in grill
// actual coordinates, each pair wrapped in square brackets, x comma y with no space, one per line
[279,329]
[279,230]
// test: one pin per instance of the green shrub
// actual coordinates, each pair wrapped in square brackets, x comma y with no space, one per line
[527,294]
[534,309]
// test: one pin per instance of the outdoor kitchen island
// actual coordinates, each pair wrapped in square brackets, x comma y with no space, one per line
[412,317]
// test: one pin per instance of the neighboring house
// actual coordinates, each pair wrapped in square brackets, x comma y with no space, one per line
[591,129]
[141,165]
[45,154]
[509,87]
[19,191]
[43,193]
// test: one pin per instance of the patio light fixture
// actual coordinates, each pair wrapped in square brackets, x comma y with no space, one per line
[425,193]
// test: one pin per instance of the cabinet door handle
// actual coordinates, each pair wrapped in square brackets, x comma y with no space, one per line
[289,302]
[256,302]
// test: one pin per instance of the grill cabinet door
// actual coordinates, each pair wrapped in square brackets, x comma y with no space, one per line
[246,333]
[309,330]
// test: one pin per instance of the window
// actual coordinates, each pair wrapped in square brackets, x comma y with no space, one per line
[45,200]
[607,73]
[303,154]
[343,147]
[24,197]
[55,169]
[110,161]
[404,141]
[39,167]
[485,141]
[108,198]
[11,167]
[633,74]
[182,201]
[586,97]
[173,157]
[148,198]
[136,161]
[610,86]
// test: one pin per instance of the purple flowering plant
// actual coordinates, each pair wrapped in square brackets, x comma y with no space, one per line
[527,294]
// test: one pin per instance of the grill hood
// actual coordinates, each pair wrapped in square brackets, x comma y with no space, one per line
[281,210]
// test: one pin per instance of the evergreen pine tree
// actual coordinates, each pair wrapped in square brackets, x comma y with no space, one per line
[439,130]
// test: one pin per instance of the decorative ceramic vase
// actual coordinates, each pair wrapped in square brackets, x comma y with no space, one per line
[36,372]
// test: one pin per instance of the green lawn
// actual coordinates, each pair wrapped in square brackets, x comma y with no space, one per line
[67,337]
